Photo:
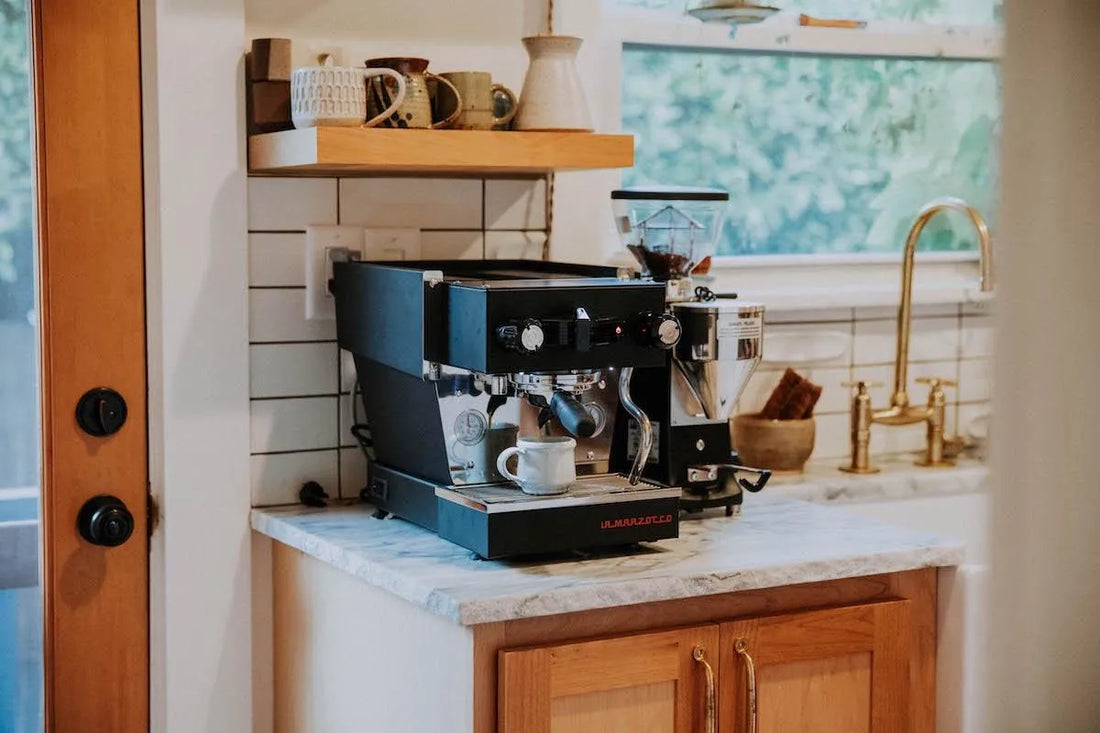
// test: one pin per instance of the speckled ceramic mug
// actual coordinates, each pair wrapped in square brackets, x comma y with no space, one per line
[336,96]
[416,109]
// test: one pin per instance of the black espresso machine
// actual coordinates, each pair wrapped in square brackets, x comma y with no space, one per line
[456,358]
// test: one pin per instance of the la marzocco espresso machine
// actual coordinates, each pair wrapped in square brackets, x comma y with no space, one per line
[689,398]
[455,359]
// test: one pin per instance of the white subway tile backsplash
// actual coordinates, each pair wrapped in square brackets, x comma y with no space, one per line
[904,438]
[975,380]
[290,204]
[818,315]
[292,370]
[276,260]
[831,437]
[280,315]
[758,389]
[971,419]
[890,312]
[800,345]
[980,308]
[514,245]
[459,245]
[353,472]
[977,337]
[835,397]
[515,204]
[931,339]
[293,424]
[276,479]
[424,203]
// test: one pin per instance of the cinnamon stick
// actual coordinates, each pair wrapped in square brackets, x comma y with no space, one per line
[781,395]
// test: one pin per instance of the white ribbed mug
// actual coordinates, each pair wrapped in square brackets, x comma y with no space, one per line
[547,464]
[336,96]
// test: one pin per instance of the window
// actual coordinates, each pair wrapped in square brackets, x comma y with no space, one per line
[827,140]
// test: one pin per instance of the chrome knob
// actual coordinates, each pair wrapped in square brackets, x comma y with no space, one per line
[525,337]
[662,331]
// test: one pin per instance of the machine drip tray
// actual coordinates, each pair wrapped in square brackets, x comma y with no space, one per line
[590,490]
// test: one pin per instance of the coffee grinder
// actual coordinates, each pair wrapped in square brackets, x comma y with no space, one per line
[690,397]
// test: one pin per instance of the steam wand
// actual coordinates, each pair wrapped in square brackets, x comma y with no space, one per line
[646,441]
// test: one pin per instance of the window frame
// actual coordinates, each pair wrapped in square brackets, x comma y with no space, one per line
[783,281]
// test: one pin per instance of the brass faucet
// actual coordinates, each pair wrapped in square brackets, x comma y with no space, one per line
[900,412]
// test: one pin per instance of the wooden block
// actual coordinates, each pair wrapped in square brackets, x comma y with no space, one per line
[270,59]
[269,106]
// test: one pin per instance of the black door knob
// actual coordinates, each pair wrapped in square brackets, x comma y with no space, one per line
[105,520]
[101,411]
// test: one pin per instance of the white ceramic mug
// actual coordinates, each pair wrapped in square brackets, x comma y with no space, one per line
[336,96]
[546,464]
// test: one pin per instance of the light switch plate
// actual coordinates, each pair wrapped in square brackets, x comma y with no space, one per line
[320,242]
[391,244]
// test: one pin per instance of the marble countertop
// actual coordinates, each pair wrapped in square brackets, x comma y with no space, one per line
[900,478]
[778,541]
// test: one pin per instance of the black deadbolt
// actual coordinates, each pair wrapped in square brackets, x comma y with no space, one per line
[105,520]
[101,411]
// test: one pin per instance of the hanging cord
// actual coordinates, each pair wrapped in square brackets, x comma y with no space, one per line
[550,175]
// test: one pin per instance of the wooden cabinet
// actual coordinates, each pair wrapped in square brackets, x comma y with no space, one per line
[642,683]
[852,654]
[841,670]
[837,670]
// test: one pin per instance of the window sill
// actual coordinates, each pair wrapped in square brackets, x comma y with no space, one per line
[799,282]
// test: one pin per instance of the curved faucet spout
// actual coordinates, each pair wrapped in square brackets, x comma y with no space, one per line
[900,397]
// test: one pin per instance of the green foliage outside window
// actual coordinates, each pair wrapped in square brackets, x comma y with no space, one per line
[819,154]
[16,167]
[951,12]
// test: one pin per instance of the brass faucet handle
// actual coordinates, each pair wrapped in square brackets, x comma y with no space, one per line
[862,384]
[936,382]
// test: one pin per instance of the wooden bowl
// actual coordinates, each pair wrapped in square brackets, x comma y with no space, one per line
[781,445]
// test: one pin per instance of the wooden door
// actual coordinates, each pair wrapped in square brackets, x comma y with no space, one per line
[91,285]
[843,670]
[642,683]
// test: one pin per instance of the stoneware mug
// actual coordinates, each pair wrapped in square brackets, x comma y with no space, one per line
[336,96]
[478,97]
[546,464]
[416,109]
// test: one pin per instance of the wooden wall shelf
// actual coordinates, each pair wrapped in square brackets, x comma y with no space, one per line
[351,151]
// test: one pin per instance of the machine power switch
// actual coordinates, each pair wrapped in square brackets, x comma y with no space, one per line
[526,336]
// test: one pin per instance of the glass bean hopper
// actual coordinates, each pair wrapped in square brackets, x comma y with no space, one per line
[669,229]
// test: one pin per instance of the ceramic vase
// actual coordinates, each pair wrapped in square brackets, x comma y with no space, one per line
[553,96]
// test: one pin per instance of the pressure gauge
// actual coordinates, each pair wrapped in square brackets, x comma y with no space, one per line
[470,427]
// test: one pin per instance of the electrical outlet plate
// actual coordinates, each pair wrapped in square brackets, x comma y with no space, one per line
[365,244]
[321,242]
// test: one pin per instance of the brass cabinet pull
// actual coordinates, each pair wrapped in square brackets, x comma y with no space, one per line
[700,655]
[742,648]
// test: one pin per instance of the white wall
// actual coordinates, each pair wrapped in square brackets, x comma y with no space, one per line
[1046,584]
[198,365]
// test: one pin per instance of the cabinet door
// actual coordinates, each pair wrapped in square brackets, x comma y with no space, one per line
[642,683]
[841,670]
